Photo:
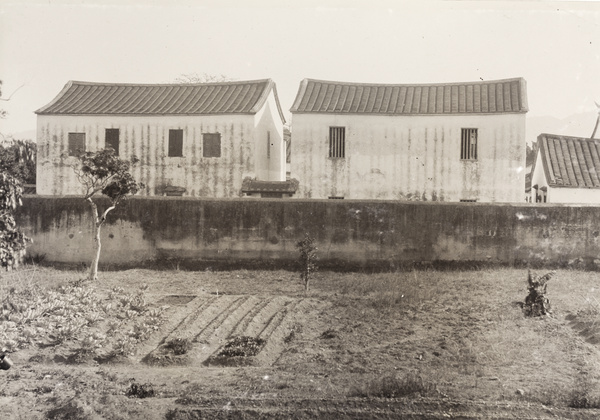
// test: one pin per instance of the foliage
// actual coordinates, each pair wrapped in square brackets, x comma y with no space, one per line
[104,172]
[140,390]
[202,78]
[242,346]
[179,346]
[308,259]
[77,313]
[12,241]
[536,303]
[17,159]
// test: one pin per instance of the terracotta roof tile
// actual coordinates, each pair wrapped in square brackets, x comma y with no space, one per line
[570,161]
[87,98]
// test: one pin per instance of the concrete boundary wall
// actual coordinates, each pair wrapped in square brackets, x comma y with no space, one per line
[349,233]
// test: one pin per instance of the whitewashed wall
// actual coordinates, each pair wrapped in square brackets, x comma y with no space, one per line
[270,165]
[243,151]
[400,157]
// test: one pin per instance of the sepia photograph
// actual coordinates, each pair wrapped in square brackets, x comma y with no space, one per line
[309,209]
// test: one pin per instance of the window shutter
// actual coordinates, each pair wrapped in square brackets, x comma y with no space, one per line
[175,143]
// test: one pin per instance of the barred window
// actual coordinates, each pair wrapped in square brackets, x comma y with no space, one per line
[468,145]
[76,144]
[211,145]
[111,139]
[176,143]
[337,142]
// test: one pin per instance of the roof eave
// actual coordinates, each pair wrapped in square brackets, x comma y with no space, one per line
[265,96]
[59,96]
[410,114]
[144,114]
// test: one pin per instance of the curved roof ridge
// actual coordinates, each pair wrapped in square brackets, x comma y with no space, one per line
[160,99]
[475,97]
[480,82]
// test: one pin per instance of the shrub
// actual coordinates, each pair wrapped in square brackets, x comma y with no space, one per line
[136,390]
[179,346]
[12,241]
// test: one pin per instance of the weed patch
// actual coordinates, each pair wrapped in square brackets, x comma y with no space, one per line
[136,390]
[179,346]
[242,346]
[392,386]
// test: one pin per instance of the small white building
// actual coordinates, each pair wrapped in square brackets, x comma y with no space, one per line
[444,142]
[566,170]
[192,139]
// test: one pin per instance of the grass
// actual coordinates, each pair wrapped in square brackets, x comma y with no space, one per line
[387,291]
[458,333]
[393,386]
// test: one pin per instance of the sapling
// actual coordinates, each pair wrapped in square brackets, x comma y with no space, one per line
[103,172]
[308,259]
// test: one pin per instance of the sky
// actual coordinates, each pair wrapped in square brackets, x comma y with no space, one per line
[554,46]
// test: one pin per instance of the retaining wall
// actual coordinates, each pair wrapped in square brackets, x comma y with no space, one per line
[349,233]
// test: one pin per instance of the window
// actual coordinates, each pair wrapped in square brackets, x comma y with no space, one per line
[76,144]
[211,145]
[468,145]
[337,142]
[111,139]
[175,143]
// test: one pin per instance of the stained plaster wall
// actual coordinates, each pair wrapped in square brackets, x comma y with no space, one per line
[414,157]
[349,233]
[243,151]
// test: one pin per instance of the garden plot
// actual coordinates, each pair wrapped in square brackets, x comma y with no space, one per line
[213,320]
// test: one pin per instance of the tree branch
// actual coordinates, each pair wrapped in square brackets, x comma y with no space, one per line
[11,95]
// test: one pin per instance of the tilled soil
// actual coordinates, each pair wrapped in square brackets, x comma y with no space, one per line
[463,335]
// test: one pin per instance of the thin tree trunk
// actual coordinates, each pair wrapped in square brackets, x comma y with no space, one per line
[98,222]
[93,273]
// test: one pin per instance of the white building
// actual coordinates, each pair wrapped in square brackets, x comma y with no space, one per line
[566,170]
[191,139]
[445,142]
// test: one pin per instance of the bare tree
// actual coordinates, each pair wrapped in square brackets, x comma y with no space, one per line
[202,78]
[2,111]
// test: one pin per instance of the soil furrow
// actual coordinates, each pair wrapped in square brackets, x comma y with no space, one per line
[189,319]
[219,319]
[175,320]
[241,326]
[263,317]
[275,321]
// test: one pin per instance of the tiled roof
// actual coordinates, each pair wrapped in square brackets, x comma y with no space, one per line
[87,98]
[491,97]
[254,186]
[570,161]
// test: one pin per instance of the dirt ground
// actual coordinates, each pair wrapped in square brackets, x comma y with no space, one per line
[415,345]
